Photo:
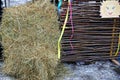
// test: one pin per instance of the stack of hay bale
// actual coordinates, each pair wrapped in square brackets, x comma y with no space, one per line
[0,22]
[30,34]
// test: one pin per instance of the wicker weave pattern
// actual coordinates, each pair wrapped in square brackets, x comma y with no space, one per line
[94,38]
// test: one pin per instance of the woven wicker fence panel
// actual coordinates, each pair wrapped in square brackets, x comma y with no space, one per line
[94,38]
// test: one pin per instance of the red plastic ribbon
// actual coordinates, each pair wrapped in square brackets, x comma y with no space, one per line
[71,20]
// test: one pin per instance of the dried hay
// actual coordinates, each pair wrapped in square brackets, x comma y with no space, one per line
[29,36]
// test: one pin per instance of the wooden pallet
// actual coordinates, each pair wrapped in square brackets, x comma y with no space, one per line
[94,38]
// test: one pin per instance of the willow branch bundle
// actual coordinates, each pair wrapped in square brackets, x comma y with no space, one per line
[94,38]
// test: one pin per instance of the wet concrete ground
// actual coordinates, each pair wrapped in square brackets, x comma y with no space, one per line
[97,71]
[2,75]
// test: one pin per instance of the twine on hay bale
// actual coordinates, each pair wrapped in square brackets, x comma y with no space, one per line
[29,36]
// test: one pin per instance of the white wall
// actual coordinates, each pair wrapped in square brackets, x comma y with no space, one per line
[11,3]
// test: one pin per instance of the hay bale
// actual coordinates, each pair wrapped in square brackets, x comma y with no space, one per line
[29,36]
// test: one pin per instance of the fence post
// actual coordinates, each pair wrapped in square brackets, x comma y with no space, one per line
[5,3]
